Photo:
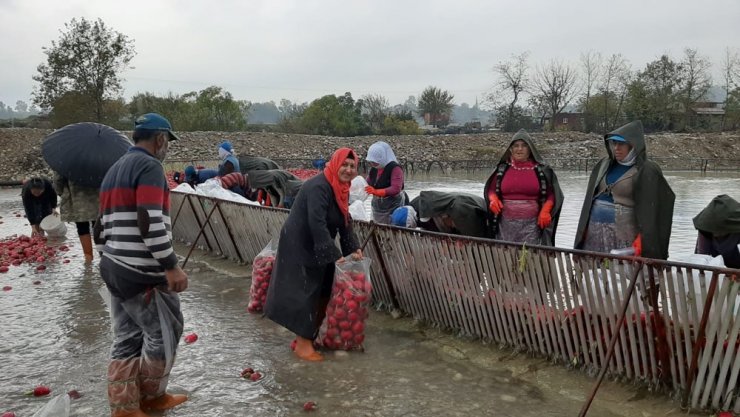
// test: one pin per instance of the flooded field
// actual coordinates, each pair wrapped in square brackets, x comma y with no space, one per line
[57,333]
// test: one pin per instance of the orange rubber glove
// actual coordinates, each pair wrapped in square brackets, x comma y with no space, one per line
[545,218]
[374,191]
[495,205]
[637,244]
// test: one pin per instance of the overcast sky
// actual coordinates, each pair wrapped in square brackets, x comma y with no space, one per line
[303,49]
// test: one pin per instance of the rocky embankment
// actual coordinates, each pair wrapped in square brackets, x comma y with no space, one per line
[20,151]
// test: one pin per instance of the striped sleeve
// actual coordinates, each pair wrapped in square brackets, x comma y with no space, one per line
[234,179]
[152,212]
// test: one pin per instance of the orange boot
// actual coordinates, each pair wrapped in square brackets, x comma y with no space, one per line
[87,247]
[304,349]
[164,402]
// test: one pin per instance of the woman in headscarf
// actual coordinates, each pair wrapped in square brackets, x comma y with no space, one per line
[628,200]
[303,272]
[385,182]
[719,230]
[523,195]
[229,162]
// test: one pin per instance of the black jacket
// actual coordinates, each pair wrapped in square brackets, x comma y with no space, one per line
[39,207]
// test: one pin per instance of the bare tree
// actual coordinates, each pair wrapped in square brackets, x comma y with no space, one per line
[730,77]
[555,84]
[512,82]
[591,68]
[613,82]
[697,80]
[375,108]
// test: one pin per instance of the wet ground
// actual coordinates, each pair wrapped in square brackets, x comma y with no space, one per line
[57,333]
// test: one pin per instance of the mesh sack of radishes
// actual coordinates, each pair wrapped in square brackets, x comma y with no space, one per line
[344,325]
[261,273]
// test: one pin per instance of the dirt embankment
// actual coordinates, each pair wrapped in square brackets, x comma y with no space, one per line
[20,148]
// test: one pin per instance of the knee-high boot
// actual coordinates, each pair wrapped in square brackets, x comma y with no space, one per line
[123,388]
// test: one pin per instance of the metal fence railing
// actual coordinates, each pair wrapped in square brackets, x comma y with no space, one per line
[681,330]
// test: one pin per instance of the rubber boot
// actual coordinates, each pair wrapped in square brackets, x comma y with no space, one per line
[123,388]
[164,402]
[87,247]
[153,379]
[304,349]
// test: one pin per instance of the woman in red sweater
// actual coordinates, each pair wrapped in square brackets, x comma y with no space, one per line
[523,195]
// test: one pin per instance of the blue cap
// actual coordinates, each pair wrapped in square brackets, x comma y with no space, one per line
[189,172]
[616,138]
[154,121]
[226,145]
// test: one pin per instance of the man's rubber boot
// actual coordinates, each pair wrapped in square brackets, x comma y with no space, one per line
[165,402]
[87,247]
[123,388]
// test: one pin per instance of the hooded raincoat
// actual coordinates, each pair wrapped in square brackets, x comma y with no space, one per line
[651,198]
[466,213]
[526,230]
[303,271]
[281,185]
[719,230]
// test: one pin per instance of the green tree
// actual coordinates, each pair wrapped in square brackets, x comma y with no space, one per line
[436,105]
[335,116]
[86,61]
[654,96]
[375,109]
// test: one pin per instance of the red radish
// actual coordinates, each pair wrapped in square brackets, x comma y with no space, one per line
[255,376]
[41,267]
[191,338]
[358,327]
[309,406]
[41,391]
[3,269]
[74,394]
[247,373]
[66,261]
[293,344]
[37,283]
[7,288]
[9,413]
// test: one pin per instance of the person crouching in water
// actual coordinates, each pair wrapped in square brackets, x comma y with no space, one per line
[718,226]
[628,200]
[303,272]
[523,195]
[385,182]
[39,201]
[140,269]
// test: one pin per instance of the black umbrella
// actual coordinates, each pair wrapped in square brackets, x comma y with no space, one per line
[83,152]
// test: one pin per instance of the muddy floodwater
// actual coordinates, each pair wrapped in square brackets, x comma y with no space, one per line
[56,333]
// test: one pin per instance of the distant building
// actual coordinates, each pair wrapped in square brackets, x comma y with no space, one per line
[567,121]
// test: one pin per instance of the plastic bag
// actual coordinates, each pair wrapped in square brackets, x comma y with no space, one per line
[261,274]
[344,325]
[357,189]
[184,188]
[357,211]
[56,407]
[212,188]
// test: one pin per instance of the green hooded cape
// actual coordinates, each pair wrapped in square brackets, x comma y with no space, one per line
[256,163]
[720,217]
[652,195]
[467,211]
[277,182]
[548,234]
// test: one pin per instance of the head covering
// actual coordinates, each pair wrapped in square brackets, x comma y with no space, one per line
[720,217]
[404,216]
[190,173]
[225,150]
[331,172]
[381,153]
[633,134]
[533,153]
[154,121]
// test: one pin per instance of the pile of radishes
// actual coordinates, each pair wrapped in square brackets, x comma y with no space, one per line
[17,250]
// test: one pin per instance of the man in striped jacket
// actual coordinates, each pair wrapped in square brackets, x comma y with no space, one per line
[139,267]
